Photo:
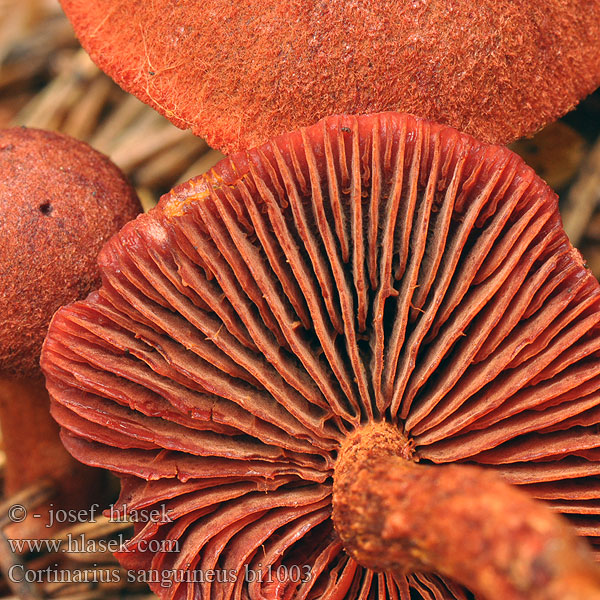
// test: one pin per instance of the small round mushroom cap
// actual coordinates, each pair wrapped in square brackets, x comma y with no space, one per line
[239,73]
[60,201]
[364,269]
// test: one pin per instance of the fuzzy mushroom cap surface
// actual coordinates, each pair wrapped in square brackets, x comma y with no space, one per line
[60,201]
[365,268]
[238,73]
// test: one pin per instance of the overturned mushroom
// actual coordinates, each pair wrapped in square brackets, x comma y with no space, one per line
[238,73]
[60,201]
[315,323]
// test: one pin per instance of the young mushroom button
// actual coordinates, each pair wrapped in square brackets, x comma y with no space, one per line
[238,73]
[348,363]
[60,201]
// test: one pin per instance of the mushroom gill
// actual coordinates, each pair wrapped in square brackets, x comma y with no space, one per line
[239,73]
[369,289]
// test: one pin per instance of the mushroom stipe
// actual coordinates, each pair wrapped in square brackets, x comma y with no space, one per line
[316,322]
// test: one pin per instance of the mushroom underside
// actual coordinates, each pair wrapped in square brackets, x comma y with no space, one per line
[365,269]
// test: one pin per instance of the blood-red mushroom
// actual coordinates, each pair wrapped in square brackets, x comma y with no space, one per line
[283,350]
[238,73]
[60,201]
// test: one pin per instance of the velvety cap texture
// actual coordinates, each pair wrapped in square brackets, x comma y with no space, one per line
[60,201]
[238,73]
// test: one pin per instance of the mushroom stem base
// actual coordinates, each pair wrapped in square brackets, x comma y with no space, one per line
[28,431]
[34,452]
[461,521]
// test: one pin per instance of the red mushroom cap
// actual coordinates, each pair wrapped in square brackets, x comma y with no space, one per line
[363,269]
[60,201]
[238,73]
